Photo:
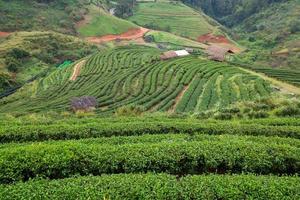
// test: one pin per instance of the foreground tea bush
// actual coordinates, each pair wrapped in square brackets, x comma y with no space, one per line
[93,130]
[157,186]
[64,159]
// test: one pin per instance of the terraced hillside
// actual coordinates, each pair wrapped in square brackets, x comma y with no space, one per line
[142,158]
[134,75]
[173,17]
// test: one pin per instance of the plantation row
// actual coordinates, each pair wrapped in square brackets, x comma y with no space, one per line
[135,76]
[157,186]
[64,131]
[195,155]
[282,74]
[6,121]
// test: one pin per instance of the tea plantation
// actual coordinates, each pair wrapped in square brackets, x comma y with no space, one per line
[149,158]
[134,75]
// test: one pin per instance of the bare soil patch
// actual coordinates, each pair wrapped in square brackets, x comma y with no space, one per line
[76,70]
[4,34]
[210,38]
[220,40]
[131,34]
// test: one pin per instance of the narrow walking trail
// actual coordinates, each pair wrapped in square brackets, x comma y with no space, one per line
[76,70]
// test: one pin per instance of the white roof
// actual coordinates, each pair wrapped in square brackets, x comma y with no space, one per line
[182,53]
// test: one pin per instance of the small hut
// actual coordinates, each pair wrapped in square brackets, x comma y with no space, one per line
[218,53]
[173,54]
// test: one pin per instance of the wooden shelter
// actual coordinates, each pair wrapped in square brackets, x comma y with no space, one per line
[218,53]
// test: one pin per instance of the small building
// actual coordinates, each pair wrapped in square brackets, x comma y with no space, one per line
[218,53]
[173,54]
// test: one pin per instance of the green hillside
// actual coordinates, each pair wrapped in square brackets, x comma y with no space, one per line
[24,55]
[135,76]
[41,15]
[100,23]
[161,37]
[273,35]
[173,17]
[268,28]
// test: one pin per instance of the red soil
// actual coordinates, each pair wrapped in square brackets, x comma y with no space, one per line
[210,38]
[4,34]
[129,35]
[220,40]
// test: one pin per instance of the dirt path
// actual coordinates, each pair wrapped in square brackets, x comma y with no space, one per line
[178,98]
[129,35]
[76,70]
[4,34]
[284,87]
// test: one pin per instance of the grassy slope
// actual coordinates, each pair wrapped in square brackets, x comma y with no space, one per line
[101,23]
[45,49]
[169,38]
[176,18]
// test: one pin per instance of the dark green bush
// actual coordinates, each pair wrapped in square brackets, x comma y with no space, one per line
[258,114]
[92,130]
[289,110]
[64,159]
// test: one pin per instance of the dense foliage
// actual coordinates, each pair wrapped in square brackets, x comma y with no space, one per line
[192,156]
[231,12]
[158,186]
[27,54]
[55,15]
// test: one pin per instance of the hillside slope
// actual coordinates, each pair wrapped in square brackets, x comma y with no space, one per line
[23,55]
[269,28]
[41,15]
[173,17]
[135,76]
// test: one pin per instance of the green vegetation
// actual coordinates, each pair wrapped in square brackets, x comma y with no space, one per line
[231,12]
[269,29]
[172,17]
[135,157]
[158,186]
[134,75]
[121,122]
[28,54]
[173,40]
[101,23]
[35,128]
[42,15]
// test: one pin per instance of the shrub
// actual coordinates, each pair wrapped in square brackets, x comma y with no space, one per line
[289,110]
[12,64]
[258,114]
[223,116]
[18,53]
[130,110]
[149,38]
